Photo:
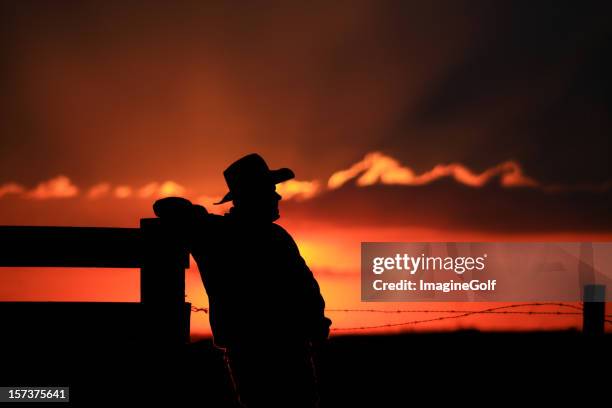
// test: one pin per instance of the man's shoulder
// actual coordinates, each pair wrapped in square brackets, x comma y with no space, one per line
[216,218]
[280,230]
[283,234]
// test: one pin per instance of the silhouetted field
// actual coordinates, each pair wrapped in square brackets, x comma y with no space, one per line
[464,367]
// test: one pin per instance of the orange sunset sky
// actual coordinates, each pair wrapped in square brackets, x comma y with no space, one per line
[439,121]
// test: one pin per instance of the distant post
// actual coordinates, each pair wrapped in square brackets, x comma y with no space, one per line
[162,282]
[594,309]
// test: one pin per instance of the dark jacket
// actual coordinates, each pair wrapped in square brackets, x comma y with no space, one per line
[259,286]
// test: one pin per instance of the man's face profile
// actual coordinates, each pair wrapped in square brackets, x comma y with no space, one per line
[260,204]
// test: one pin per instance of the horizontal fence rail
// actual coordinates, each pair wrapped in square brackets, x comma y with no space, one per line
[71,246]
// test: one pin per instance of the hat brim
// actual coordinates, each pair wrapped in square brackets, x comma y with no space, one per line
[275,177]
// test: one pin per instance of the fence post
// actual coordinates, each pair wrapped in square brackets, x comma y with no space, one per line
[162,283]
[594,309]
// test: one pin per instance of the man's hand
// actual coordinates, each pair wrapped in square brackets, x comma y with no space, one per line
[172,207]
[321,332]
[178,209]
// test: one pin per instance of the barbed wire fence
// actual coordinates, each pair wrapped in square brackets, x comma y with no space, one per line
[456,313]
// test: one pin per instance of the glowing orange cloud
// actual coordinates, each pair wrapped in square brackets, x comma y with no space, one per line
[11,188]
[153,189]
[165,189]
[297,189]
[99,190]
[123,191]
[58,187]
[377,167]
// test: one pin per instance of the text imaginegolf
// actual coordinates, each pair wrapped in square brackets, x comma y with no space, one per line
[408,285]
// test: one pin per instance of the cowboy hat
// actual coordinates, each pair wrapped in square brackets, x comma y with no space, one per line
[249,173]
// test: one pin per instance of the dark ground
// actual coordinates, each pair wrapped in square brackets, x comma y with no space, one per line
[383,371]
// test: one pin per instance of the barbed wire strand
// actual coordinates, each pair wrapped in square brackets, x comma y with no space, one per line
[516,305]
[199,309]
[460,313]
[465,314]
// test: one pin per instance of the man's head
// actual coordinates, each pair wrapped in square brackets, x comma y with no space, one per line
[252,187]
[261,205]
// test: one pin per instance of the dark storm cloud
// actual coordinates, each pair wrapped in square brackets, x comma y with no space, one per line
[528,41]
[535,86]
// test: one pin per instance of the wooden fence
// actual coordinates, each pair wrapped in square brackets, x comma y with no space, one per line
[161,317]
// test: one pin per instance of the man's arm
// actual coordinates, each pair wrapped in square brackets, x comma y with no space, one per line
[310,293]
[315,304]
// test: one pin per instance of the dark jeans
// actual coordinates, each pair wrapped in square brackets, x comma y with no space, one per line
[273,375]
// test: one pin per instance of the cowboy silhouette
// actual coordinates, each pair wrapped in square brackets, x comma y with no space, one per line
[266,309]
